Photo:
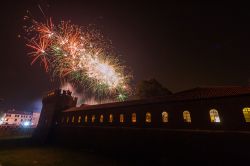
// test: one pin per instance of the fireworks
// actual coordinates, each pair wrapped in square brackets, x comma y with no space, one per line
[79,55]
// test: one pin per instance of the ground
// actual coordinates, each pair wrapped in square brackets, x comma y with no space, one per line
[20,151]
[53,156]
[200,149]
[48,156]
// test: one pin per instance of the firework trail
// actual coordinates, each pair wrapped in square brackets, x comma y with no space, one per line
[79,55]
[83,98]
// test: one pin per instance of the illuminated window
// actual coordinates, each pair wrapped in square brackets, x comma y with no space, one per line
[246,112]
[133,118]
[79,119]
[164,117]
[148,117]
[73,119]
[62,119]
[111,118]
[121,118]
[186,116]
[214,116]
[101,119]
[67,119]
[86,118]
[93,118]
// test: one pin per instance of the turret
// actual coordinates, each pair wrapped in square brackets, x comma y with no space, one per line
[53,103]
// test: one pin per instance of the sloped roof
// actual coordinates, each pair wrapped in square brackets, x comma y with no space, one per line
[212,92]
[191,94]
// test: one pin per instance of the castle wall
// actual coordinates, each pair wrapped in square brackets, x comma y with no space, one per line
[62,125]
[230,110]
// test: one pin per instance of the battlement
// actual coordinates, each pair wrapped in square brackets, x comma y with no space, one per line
[59,93]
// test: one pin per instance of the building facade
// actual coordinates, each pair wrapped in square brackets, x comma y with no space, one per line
[220,108]
[183,124]
[20,118]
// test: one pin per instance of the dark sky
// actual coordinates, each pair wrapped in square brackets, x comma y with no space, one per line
[182,45]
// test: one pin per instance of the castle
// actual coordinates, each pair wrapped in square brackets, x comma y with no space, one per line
[201,113]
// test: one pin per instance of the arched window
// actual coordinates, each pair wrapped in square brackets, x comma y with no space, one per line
[73,119]
[186,116]
[164,117]
[133,118]
[148,117]
[67,119]
[86,118]
[246,112]
[111,118]
[214,116]
[79,119]
[101,119]
[93,118]
[121,118]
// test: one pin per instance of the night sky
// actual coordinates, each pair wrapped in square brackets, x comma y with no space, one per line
[181,45]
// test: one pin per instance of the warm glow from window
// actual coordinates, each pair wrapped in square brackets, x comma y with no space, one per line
[133,118]
[101,118]
[246,112]
[86,118]
[214,116]
[186,116]
[67,119]
[121,118]
[79,119]
[73,119]
[164,117]
[111,118]
[148,117]
[93,118]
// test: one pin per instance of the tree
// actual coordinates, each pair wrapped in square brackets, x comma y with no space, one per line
[1,114]
[151,88]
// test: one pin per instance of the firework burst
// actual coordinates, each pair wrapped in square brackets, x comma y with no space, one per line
[79,55]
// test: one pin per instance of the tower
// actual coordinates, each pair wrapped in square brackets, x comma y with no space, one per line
[53,103]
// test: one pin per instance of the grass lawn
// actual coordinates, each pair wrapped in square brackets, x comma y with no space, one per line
[52,156]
